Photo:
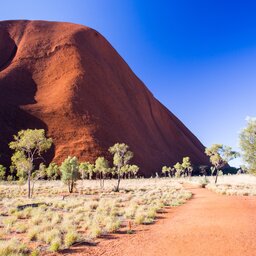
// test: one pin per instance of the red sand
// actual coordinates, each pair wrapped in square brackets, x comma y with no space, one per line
[68,79]
[207,225]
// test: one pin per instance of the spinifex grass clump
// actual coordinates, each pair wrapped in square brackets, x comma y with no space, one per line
[13,247]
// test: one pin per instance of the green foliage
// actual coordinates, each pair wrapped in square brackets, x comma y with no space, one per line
[248,145]
[70,172]
[13,247]
[28,146]
[121,157]
[220,155]
[101,169]
[179,170]
[86,170]
[133,170]
[187,166]
[129,170]
[166,170]
[21,164]
[70,238]
[55,245]
[52,171]
[31,142]
[2,172]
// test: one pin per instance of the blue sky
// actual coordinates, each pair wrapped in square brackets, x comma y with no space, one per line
[197,57]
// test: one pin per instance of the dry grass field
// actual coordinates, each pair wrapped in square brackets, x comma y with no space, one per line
[242,184]
[61,220]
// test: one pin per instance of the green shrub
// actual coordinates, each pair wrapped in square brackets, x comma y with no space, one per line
[70,238]
[2,172]
[12,247]
[55,245]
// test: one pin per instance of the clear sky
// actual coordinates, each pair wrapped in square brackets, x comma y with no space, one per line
[197,57]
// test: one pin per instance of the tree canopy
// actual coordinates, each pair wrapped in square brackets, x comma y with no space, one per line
[220,155]
[29,145]
[248,145]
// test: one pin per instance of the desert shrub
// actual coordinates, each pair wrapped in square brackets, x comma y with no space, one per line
[151,213]
[9,221]
[139,218]
[21,227]
[32,234]
[112,224]
[95,230]
[148,220]
[55,245]
[35,253]
[204,181]
[12,247]
[2,172]
[49,235]
[70,238]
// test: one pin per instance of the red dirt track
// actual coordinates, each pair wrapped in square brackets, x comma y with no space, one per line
[208,224]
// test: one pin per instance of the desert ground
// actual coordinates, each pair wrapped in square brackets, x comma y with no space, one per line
[157,216]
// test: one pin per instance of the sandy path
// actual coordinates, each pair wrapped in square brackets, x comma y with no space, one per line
[209,224]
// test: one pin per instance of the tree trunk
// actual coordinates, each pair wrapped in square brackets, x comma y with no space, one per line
[216,178]
[70,186]
[118,181]
[32,190]
[29,185]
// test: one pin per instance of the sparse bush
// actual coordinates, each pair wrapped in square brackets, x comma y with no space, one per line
[33,234]
[112,224]
[55,245]
[21,227]
[2,172]
[70,238]
[95,230]
[12,247]
[34,253]
[204,181]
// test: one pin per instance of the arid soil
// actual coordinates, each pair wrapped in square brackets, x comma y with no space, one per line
[208,224]
[69,80]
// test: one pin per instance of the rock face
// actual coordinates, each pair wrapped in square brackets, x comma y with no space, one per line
[69,80]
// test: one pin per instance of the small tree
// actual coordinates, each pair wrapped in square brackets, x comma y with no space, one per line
[84,170]
[220,155]
[52,171]
[166,170]
[28,146]
[121,157]
[133,170]
[102,168]
[91,170]
[70,172]
[187,166]
[179,170]
[248,145]
[128,170]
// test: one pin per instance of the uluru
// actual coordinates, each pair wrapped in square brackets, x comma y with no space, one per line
[69,80]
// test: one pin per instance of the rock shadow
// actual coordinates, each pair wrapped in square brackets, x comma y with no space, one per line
[17,89]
